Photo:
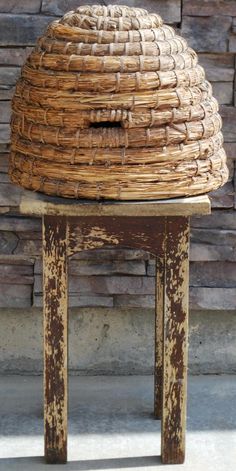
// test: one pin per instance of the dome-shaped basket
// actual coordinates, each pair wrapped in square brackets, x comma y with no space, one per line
[112,104]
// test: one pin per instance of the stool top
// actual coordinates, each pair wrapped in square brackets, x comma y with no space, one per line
[37,204]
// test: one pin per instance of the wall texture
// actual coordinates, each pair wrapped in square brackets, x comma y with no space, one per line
[114,341]
[122,278]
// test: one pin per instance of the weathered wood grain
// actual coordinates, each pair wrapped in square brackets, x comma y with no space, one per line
[93,232]
[175,340]
[55,338]
[158,347]
[39,204]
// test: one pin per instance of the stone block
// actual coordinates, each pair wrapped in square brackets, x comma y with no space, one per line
[170,10]
[5,111]
[218,67]
[112,254]
[4,135]
[214,237]
[231,168]
[22,30]
[234,25]
[7,94]
[105,285]
[90,267]
[8,242]
[14,6]
[131,301]
[9,76]
[213,298]
[31,248]
[207,34]
[151,267]
[14,56]
[223,92]
[232,43]
[228,114]
[9,194]
[213,274]
[15,295]
[11,267]
[223,197]
[4,163]
[230,149]
[207,252]
[216,220]
[209,7]
[20,224]
[80,301]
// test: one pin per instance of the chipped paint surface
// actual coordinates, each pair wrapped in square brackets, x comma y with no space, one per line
[55,338]
[159,312]
[94,232]
[175,339]
[165,237]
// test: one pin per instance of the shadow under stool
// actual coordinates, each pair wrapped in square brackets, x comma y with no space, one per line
[159,227]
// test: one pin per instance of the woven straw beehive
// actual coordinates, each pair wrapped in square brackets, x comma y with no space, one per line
[112,104]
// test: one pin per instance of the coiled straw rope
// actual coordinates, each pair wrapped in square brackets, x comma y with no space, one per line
[112,104]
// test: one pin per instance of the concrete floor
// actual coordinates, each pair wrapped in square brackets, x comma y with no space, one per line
[112,427]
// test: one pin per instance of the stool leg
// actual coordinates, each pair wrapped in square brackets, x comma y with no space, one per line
[158,368]
[175,340]
[55,338]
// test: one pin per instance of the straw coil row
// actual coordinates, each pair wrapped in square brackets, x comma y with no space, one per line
[113,104]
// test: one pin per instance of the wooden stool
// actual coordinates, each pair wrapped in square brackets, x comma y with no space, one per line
[159,227]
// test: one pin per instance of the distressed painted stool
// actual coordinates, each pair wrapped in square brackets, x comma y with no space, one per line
[159,227]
